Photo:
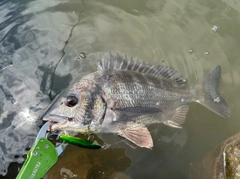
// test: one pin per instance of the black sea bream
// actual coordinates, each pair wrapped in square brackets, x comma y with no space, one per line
[124,96]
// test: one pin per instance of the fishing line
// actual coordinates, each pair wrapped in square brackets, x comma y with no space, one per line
[63,51]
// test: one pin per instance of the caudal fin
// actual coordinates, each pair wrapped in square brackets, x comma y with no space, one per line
[208,95]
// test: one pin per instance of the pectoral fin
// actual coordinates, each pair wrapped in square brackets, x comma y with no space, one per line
[138,135]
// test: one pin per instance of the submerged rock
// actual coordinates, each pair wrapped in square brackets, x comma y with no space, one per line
[232,160]
[222,163]
[76,162]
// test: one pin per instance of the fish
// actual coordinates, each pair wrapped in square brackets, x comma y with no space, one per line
[124,96]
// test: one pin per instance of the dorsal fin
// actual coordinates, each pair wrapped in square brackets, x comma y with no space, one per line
[118,62]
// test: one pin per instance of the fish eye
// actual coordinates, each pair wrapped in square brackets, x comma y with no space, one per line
[71,101]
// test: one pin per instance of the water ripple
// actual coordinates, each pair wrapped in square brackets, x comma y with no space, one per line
[38,43]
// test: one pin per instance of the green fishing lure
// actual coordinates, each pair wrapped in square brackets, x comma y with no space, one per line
[79,142]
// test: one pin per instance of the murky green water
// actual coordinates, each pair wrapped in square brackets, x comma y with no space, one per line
[39,41]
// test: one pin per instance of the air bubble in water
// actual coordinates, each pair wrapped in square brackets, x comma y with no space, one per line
[190,51]
[217,100]
[214,28]
[81,55]
[206,53]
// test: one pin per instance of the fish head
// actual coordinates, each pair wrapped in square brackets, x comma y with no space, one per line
[71,113]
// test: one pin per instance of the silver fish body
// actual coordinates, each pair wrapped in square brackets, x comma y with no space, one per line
[124,96]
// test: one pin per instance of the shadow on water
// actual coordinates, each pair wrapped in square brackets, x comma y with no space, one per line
[59,84]
[86,163]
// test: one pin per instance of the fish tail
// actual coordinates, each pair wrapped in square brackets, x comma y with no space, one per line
[208,95]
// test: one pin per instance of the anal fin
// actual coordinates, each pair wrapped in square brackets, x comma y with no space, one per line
[138,135]
[179,117]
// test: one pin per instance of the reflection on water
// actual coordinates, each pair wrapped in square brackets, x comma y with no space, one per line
[39,40]
[31,45]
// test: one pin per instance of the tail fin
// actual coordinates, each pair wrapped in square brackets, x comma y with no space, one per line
[208,95]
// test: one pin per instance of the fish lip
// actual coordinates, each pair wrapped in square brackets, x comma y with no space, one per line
[55,126]
[54,118]
[56,121]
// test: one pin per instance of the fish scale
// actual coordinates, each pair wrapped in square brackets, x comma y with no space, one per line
[146,95]
[125,96]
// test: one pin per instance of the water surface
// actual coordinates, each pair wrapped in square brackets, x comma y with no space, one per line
[39,44]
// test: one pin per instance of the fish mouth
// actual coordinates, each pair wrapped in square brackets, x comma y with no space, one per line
[56,121]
